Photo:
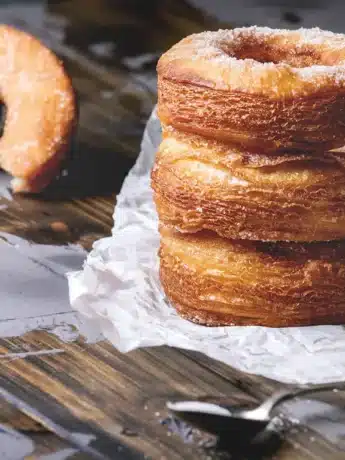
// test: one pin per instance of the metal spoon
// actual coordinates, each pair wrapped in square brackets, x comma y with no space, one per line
[221,419]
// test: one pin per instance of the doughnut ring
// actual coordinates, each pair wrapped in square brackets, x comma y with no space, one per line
[40,110]
[214,281]
[203,184]
[265,90]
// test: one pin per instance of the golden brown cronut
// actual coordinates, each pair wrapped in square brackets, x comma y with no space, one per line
[41,110]
[201,184]
[215,281]
[266,90]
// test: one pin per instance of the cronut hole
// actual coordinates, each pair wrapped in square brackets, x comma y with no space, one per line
[304,56]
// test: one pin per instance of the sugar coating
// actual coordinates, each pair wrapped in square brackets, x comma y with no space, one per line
[219,48]
[40,103]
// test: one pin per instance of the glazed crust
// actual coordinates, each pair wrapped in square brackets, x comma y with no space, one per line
[214,281]
[202,184]
[261,89]
[41,110]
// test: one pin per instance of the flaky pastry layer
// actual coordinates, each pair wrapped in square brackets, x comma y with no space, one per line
[214,281]
[201,184]
[258,87]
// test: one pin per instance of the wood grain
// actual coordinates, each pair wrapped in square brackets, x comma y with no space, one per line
[120,398]
[44,441]
[91,388]
[17,420]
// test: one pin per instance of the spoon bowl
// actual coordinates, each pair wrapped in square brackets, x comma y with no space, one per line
[222,420]
[216,419]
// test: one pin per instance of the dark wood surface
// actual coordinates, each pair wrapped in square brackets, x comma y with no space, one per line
[91,388]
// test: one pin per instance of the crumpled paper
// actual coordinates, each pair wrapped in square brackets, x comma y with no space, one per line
[119,290]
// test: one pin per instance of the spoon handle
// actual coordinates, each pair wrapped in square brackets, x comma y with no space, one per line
[287,394]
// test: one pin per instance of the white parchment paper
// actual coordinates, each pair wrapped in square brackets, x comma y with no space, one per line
[119,290]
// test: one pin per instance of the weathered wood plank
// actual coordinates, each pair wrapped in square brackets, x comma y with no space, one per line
[119,393]
[12,417]
[44,442]
[121,397]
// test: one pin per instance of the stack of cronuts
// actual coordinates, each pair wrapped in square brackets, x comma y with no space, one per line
[249,179]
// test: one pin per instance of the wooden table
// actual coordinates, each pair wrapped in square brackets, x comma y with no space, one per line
[118,400]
